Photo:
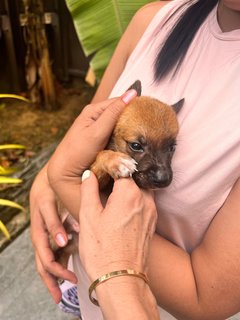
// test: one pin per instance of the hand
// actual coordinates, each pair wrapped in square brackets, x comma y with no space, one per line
[115,237]
[93,125]
[88,135]
[45,220]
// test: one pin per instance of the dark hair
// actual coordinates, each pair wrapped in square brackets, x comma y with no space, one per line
[178,41]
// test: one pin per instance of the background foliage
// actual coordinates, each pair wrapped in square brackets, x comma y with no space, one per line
[99,25]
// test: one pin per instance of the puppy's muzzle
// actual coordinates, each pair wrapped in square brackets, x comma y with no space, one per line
[154,178]
[160,178]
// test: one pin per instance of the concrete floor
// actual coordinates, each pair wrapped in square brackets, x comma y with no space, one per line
[22,294]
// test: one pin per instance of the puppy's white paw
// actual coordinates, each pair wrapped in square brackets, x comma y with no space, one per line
[126,168]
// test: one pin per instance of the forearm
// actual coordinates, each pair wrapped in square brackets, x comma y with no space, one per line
[121,298]
[184,284]
[172,279]
[63,172]
[69,193]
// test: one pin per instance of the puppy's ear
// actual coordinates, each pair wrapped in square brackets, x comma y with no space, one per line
[136,86]
[178,105]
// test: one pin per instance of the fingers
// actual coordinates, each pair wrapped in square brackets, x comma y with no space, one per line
[128,195]
[49,280]
[47,259]
[111,114]
[48,268]
[48,213]
[125,184]
[90,197]
[95,110]
[121,185]
[43,210]
[40,239]
[54,224]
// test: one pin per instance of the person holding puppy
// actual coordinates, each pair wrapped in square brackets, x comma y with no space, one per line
[181,49]
[126,290]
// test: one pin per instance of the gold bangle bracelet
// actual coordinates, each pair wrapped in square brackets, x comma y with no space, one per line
[113,274]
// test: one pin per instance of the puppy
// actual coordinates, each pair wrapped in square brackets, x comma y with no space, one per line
[141,146]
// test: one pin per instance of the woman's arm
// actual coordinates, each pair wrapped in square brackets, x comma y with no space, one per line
[45,220]
[205,284]
[117,237]
[127,299]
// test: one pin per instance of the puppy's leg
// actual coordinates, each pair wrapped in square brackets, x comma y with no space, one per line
[110,164]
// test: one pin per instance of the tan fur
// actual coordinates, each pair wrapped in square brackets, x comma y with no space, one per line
[144,117]
[149,117]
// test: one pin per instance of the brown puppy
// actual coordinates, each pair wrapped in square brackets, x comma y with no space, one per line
[142,144]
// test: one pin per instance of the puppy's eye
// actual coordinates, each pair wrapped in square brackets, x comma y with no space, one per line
[135,146]
[172,147]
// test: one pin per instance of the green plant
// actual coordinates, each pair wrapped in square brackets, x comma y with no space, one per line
[13,96]
[99,25]
[5,172]
[5,179]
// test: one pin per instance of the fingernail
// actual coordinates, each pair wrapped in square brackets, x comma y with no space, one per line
[129,95]
[60,240]
[86,174]
[76,227]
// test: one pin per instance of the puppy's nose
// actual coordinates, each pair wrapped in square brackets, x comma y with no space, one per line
[161,178]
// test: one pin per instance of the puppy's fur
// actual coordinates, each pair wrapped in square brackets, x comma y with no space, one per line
[141,146]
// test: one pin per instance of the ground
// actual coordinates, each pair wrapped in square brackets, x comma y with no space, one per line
[36,129]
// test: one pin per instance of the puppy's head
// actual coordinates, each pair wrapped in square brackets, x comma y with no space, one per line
[147,131]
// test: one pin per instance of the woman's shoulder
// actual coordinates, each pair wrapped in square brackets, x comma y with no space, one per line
[153,6]
[146,13]
[141,21]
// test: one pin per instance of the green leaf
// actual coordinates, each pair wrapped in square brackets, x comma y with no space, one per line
[8,180]
[11,146]
[100,24]
[8,203]
[4,229]
[100,60]
[7,171]
[13,96]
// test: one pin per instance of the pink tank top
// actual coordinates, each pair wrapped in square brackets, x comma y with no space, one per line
[206,163]
[207,159]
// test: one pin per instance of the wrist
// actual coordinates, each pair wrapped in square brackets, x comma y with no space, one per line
[111,275]
[123,297]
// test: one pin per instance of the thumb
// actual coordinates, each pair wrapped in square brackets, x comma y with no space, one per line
[90,200]
[110,116]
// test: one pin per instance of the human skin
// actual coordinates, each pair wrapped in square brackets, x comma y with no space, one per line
[94,125]
[205,284]
[119,235]
[229,15]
